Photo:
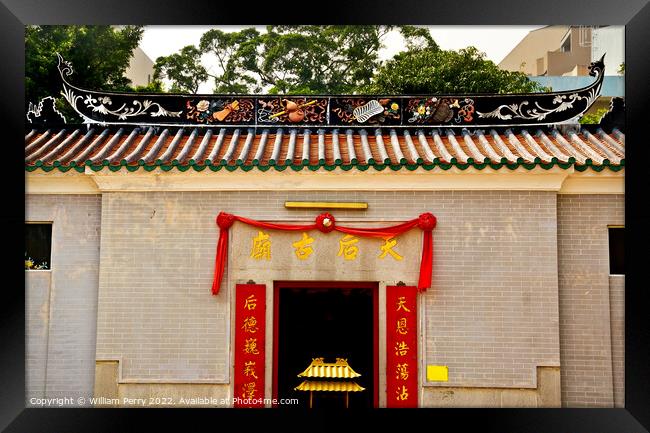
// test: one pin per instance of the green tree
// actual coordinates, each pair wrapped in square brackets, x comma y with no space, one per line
[183,69]
[430,70]
[310,59]
[593,118]
[295,59]
[99,54]
[154,86]
[229,48]
[418,38]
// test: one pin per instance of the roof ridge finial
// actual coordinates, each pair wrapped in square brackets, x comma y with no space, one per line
[597,68]
[64,66]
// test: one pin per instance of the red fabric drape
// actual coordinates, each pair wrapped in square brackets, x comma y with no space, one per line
[427,257]
[326,223]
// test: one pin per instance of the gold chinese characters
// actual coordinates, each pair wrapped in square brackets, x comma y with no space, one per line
[402,345]
[305,246]
[387,248]
[261,246]
[303,249]
[347,247]
[249,337]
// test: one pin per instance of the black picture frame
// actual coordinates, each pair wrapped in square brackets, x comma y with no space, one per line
[634,14]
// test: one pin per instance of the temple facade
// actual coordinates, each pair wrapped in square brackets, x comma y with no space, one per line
[326,257]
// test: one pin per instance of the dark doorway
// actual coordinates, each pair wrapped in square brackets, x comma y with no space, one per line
[331,321]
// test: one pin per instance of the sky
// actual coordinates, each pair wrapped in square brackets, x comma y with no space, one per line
[495,41]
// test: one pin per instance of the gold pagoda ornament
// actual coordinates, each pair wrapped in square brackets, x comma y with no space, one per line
[339,374]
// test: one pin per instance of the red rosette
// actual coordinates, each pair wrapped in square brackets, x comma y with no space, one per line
[325,222]
[427,222]
[225,220]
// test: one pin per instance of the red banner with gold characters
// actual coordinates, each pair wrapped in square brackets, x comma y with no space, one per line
[250,323]
[401,346]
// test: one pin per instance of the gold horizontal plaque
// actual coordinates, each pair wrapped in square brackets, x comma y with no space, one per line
[324,205]
[437,373]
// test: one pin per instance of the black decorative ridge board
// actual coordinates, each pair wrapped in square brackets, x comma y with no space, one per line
[345,111]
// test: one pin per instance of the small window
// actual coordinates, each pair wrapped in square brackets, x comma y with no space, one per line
[616,251]
[38,246]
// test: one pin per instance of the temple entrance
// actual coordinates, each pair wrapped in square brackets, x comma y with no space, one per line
[329,321]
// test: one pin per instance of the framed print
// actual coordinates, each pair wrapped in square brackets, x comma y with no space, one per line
[300,232]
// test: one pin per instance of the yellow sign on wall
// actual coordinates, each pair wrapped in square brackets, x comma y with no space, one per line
[437,373]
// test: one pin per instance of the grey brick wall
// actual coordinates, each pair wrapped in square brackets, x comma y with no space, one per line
[491,315]
[583,268]
[70,318]
[157,314]
[37,319]
[617,317]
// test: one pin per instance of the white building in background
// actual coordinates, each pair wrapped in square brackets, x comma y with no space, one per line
[561,51]
[609,40]
[140,70]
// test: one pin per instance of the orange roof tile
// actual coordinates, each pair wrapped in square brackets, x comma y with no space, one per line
[321,149]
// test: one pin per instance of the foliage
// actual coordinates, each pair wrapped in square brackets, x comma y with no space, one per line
[184,69]
[593,118]
[621,68]
[230,48]
[155,86]
[446,71]
[295,59]
[418,38]
[99,54]
[310,59]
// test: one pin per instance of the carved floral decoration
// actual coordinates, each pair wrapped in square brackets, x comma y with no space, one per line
[440,110]
[219,110]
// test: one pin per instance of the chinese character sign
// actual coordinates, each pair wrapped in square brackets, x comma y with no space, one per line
[323,241]
[348,248]
[401,346]
[250,314]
